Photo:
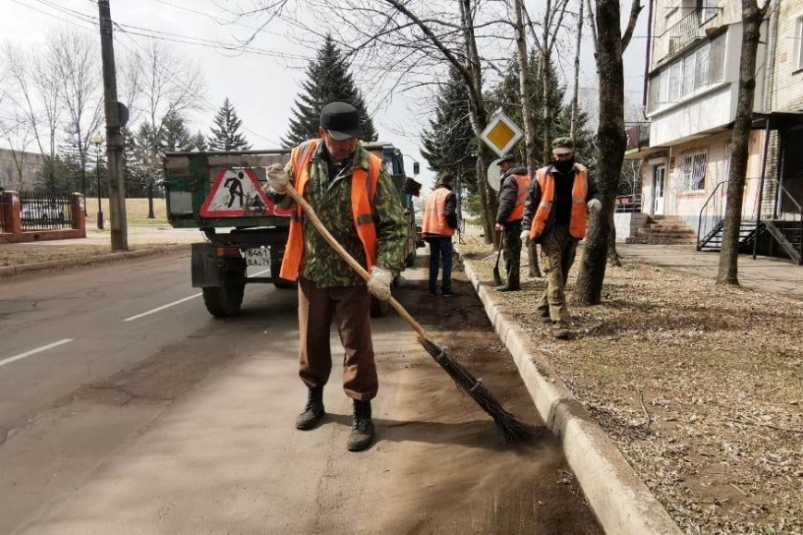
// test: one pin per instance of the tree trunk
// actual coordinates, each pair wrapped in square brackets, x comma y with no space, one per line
[524,85]
[613,255]
[576,93]
[729,254]
[151,215]
[611,145]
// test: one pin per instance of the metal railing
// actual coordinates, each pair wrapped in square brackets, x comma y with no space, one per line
[45,210]
[679,35]
[796,247]
[711,216]
[628,204]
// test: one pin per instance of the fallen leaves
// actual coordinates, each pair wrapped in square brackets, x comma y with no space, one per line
[699,385]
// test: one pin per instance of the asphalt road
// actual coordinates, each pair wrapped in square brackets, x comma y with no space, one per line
[126,408]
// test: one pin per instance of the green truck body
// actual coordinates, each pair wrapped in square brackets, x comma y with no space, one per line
[222,194]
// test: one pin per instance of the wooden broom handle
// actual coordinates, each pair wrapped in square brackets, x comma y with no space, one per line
[356,266]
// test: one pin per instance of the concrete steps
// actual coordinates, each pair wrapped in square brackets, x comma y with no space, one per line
[664,230]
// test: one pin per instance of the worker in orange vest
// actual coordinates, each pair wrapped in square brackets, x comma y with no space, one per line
[350,191]
[555,216]
[440,221]
[515,185]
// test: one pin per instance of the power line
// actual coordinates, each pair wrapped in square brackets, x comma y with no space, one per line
[165,70]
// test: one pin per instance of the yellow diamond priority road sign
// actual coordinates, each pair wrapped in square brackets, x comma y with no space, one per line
[501,134]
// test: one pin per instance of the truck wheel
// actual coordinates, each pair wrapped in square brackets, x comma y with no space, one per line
[226,300]
[379,309]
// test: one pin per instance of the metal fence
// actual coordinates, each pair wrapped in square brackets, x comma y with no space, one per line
[45,210]
[628,204]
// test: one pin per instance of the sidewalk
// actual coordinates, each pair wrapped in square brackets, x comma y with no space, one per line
[775,275]
[16,258]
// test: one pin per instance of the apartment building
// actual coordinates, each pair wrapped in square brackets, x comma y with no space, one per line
[18,169]
[693,74]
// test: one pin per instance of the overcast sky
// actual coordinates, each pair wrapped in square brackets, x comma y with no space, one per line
[261,86]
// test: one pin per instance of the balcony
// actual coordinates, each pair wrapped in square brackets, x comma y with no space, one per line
[638,141]
[679,35]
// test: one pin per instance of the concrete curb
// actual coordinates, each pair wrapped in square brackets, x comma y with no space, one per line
[621,501]
[10,271]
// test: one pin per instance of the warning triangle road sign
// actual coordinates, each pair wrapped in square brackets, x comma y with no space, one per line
[237,193]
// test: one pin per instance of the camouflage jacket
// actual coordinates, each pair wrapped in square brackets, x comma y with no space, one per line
[331,200]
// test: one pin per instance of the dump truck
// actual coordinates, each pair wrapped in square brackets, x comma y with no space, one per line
[223,195]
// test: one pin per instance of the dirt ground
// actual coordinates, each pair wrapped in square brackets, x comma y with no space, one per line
[699,386]
[488,487]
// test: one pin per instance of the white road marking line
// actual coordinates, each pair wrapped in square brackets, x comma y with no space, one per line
[174,303]
[159,309]
[35,351]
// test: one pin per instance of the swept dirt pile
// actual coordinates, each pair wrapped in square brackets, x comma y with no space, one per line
[700,387]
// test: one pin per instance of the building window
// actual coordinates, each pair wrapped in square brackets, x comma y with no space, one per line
[799,42]
[691,173]
[708,9]
[699,69]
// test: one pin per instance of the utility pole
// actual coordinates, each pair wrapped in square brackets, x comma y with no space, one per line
[114,137]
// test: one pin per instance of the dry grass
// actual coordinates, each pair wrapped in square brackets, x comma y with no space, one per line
[15,255]
[135,208]
[699,385]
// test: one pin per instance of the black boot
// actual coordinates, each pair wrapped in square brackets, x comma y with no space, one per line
[362,427]
[313,411]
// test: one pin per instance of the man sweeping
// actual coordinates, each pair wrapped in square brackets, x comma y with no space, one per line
[352,193]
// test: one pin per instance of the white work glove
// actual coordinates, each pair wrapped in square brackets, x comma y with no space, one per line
[379,283]
[278,179]
[594,205]
[525,236]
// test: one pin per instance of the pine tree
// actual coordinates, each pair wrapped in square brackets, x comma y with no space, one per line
[175,136]
[329,79]
[226,136]
[449,144]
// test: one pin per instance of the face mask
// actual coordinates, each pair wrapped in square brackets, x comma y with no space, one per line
[564,166]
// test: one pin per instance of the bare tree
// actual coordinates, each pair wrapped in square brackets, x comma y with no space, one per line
[36,92]
[552,23]
[611,141]
[167,86]
[76,60]
[399,46]
[752,16]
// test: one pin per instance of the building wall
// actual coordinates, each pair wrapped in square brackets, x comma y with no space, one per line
[787,94]
[9,174]
[688,204]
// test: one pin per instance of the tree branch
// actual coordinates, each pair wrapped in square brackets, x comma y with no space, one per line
[635,9]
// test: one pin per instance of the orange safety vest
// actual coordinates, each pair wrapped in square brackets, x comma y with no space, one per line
[578,219]
[363,191]
[435,214]
[523,183]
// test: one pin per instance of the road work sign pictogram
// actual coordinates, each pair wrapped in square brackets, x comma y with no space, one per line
[237,193]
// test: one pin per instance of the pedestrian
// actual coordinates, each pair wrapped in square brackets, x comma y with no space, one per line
[515,184]
[556,217]
[352,193]
[440,221]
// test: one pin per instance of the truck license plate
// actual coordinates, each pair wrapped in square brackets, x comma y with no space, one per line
[257,257]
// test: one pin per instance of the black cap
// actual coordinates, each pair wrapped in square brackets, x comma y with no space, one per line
[341,120]
[506,158]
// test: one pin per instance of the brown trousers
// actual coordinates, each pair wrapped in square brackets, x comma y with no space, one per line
[350,308]
[557,257]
